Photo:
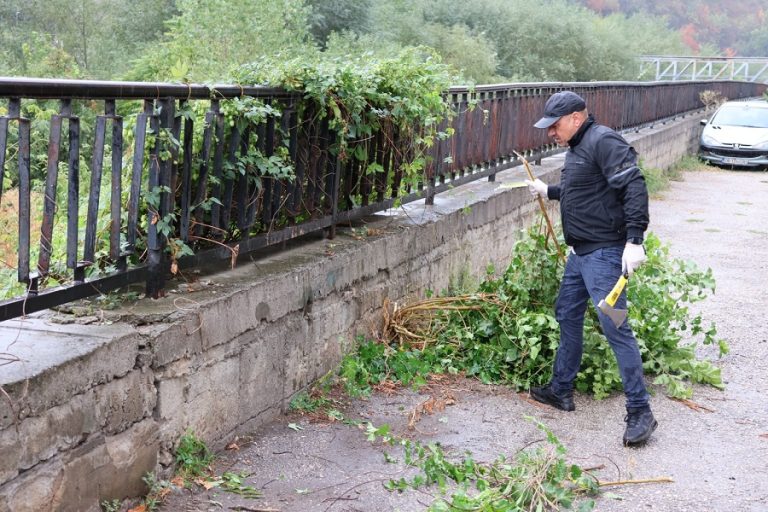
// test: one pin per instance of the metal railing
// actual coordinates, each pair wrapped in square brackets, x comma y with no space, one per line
[673,67]
[178,174]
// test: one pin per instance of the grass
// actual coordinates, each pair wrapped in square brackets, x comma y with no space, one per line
[657,180]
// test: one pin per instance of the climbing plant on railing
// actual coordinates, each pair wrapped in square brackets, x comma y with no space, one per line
[362,96]
[363,115]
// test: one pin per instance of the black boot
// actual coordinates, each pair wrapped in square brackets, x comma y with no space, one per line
[640,426]
[545,395]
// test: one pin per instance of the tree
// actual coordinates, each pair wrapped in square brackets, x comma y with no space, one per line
[209,38]
[329,16]
[555,40]
[102,36]
[407,24]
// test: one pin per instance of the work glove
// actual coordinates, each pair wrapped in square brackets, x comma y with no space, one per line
[537,188]
[633,257]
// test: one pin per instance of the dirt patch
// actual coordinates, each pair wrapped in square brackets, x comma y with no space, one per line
[714,449]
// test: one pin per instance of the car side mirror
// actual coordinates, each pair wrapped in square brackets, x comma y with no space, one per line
[703,122]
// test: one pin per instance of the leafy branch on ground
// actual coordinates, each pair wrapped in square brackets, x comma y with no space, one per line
[533,479]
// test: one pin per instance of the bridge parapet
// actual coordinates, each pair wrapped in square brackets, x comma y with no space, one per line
[186,176]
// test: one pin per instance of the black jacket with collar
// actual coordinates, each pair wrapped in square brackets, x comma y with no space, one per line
[602,192]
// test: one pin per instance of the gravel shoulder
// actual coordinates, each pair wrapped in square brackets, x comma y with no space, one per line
[717,457]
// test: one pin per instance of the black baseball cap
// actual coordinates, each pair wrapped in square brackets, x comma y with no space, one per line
[558,105]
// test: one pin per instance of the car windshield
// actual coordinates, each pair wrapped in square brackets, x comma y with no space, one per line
[737,115]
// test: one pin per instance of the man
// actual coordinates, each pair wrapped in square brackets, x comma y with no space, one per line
[604,212]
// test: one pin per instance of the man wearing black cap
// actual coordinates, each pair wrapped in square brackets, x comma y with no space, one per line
[604,212]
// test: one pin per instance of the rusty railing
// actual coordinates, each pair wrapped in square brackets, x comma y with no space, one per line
[177,178]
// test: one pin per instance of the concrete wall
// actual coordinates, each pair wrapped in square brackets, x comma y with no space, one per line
[98,398]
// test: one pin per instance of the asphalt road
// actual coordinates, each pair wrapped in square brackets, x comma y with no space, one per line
[716,457]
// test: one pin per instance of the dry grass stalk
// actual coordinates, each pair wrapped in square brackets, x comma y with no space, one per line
[418,324]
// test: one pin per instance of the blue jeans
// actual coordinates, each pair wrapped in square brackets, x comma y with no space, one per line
[593,275]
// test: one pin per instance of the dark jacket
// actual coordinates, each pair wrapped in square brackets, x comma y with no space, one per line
[602,192]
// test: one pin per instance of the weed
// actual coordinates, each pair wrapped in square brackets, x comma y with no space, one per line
[655,179]
[158,490]
[309,402]
[712,99]
[111,506]
[687,163]
[193,456]
[374,363]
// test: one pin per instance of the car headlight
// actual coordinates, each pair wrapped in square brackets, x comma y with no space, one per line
[761,145]
[708,140]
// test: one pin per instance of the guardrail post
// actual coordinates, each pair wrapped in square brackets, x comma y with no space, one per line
[159,186]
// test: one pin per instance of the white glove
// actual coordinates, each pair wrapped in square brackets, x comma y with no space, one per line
[537,188]
[633,257]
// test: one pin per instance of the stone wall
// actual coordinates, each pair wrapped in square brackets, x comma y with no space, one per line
[99,398]
[662,145]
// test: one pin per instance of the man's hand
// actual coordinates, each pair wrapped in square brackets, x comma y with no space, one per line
[537,188]
[633,257]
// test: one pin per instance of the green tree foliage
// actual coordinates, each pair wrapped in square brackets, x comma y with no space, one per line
[403,23]
[756,43]
[208,38]
[362,95]
[335,16]
[95,38]
[489,41]
[556,40]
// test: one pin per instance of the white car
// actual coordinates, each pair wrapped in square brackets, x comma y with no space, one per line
[736,135]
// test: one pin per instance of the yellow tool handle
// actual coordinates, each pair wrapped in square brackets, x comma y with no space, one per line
[617,289]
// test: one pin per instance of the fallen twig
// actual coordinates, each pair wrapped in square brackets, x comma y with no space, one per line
[692,405]
[252,509]
[8,358]
[660,480]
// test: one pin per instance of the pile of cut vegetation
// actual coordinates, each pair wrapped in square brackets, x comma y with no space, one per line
[505,331]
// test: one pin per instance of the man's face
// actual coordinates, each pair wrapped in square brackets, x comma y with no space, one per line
[565,128]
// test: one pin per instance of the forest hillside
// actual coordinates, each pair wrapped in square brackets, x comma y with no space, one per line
[486,41]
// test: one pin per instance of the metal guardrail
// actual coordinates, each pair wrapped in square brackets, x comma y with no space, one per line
[672,67]
[181,161]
